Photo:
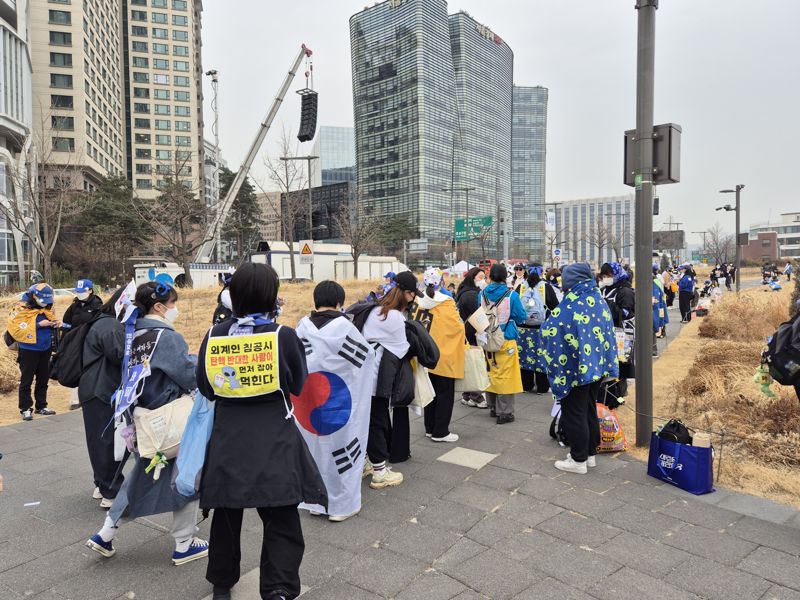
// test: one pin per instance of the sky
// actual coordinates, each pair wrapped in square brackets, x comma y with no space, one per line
[727,71]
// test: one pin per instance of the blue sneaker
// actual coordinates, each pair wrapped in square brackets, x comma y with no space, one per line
[197,549]
[97,544]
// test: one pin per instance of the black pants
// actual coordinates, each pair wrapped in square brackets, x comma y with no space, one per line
[533,381]
[97,414]
[380,430]
[439,412]
[399,435]
[685,303]
[579,418]
[670,296]
[33,363]
[281,549]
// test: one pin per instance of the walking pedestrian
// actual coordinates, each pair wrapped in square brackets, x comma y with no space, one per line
[31,324]
[103,349]
[83,309]
[438,313]
[468,302]
[580,352]
[539,301]
[787,270]
[257,457]
[519,280]
[171,375]
[686,284]
[505,378]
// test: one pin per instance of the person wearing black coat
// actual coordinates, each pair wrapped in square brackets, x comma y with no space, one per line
[535,380]
[257,457]
[83,309]
[467,302]
[615,285]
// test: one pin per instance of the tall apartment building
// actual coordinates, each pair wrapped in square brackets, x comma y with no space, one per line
[78,113]
[212,164]
[15,128]
[163,93]
[528,153]
[594,230]
[336,149]
[433,102]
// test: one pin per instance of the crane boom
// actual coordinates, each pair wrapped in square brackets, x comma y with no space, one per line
[204,252]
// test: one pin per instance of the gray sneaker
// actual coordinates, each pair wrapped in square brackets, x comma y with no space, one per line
[27,415]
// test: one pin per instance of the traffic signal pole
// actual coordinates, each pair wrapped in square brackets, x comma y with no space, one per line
[643,359]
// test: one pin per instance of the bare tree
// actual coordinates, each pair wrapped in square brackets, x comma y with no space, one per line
[288,176]
[178,214]
[360,228]
[720,244]
[47,190]
[600,236]
[553,239]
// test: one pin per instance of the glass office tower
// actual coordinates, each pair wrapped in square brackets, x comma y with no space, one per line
[528,151]
[335,147]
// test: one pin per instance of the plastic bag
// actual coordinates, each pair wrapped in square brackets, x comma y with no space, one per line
[612,438]
[194,442]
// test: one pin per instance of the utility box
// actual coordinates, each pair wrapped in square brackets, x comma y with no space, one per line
[666,155]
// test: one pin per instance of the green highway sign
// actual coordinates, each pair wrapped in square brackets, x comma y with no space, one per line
[469,229]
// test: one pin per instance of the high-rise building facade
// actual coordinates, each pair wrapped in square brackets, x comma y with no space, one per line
[15,128]
[528,153]
[78,114]
[594,230]
[433,103]
[336,149]
[212,163]
[163,93]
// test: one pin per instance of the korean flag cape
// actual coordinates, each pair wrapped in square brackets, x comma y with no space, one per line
[332,412]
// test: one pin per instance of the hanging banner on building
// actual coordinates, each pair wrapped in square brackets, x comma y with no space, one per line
[550,221]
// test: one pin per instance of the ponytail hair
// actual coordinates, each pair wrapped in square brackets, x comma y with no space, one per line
[154,292]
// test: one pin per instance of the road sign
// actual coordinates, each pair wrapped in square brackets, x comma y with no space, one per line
[469,229]
[306,252]
[419,246]
[556,252]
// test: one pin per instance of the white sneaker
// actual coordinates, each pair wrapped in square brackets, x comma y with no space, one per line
[428,435]
[106,503]
[591,462]
[96,494]
[314,513]
[482,404]
[340,518]
[570,466]
[450,437]
[368,469]
[385,478]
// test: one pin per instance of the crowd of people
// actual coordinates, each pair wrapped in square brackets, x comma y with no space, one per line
[354,371]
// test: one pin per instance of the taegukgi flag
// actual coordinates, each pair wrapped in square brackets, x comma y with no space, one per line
[332,412]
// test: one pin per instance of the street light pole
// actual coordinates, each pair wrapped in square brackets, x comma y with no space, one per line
[466,191]
[728,208]
[643,355]
[704,233]
[310,204]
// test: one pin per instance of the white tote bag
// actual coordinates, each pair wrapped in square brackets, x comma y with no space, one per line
[161,429]
[476,379]
[423,388]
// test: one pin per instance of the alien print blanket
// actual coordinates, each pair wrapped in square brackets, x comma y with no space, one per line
[578,340]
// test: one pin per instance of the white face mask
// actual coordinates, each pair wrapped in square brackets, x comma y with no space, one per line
[83,295]
[171,314]
[606,281]
[40,302]
[481,284]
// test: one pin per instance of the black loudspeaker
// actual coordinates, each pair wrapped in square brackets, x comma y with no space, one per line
[308,116]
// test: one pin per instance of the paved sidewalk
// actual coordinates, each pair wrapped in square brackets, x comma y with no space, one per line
[513,528]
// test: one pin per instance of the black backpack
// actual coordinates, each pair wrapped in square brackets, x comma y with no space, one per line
[782,354]
[358,313]
[676,431]
[68,365]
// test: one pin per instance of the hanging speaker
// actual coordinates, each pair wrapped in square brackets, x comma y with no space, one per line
[308,115]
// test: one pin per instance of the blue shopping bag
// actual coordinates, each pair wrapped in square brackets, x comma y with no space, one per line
[194,442]
[687,467]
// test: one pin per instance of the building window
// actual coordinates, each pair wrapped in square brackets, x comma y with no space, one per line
[182,96]
[143,153]
[160,48]
[160,18]
[64,144]
[163,154]
[138,31]
[144,184]
[141,123]
[62,123]
[144,169]
[60,1]
[161,94]
[142,138]
[160,63]
[58,101]
[60,38]
[59,17]
[180,20]
[183,126]
[141,107]
[164,140]
[138,2]
[141,62]
[766,243]
[139,15]
[179,4]
[161,109]
[59,59]
[180,50]
[183,140]
[60,80]
[181,81]
[141,92]
[159,4]
[163,124]
[139,46]
[141,77]
[180,36]
[180,65]
[160,34]
[183,154]
[183,111]
[161,79]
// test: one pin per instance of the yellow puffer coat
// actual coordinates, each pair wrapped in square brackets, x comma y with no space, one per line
[22,322]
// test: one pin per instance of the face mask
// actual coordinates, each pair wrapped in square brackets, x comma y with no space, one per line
[606,281]
[83,295]
[481,284]
[40,302]
[171,314]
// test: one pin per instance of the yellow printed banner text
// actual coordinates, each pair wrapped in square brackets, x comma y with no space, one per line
[243,366]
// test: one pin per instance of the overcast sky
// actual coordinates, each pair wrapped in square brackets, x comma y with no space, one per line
[727,71]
